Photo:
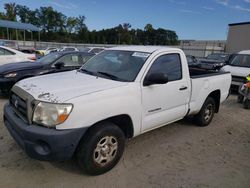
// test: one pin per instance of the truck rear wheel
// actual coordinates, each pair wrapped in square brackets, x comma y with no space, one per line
[206,114]
[101,149]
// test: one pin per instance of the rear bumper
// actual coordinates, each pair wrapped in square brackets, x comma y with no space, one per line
[40,142]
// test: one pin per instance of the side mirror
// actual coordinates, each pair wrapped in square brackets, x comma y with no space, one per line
[59,65]
[155,78]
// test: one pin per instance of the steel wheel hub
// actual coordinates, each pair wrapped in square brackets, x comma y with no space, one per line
[105,151]
[208,112]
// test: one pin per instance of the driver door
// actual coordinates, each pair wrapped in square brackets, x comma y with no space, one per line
[165,103]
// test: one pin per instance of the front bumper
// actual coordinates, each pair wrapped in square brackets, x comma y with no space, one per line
[40,142]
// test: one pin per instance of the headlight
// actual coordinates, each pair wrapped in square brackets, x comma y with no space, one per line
[50,115]
[10,75]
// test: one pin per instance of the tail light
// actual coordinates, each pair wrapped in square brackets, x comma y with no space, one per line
[32,58]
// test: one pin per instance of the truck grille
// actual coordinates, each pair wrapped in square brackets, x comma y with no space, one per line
[20,106]
[238,79]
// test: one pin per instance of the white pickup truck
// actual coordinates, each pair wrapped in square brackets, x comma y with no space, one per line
[118,94]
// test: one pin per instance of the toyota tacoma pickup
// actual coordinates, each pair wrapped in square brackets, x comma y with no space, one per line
[118,94]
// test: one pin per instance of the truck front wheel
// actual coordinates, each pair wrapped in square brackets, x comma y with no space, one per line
[101,149]
[206,114]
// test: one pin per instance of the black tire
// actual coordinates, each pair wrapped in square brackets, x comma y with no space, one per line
[246,104]
[240,98]
[203,119]
[89,151]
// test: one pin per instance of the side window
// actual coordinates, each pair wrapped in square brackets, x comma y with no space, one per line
[1,51]
[71,60]
[5,52]
[241,60]
[85,59]
[97,50]
[169,64]
[69,49]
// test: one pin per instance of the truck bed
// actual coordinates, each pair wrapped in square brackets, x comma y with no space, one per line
[204,82]
[200,73]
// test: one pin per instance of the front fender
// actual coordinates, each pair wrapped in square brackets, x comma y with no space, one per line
[92,108]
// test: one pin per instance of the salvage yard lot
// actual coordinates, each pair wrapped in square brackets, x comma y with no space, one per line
[178,155]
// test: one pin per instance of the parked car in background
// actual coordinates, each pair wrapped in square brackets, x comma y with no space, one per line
[214,61]
[28,50]
[239,66]
[192,61]
[118,94]
[95,50]
[211,64]
[218,56]
[9,55]
[47,51]
[68,49]
[10,44]
[52,63]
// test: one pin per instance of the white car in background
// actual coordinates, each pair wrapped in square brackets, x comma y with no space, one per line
[68,49]
[239,67]
[47,50]
[95,50]
[9,55]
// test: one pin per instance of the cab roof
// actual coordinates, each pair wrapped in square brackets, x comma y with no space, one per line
[146,49]
[246,52]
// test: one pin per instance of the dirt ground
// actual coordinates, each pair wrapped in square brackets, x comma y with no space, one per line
[179,155]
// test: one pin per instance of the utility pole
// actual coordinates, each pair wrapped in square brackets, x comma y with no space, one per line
[8,37]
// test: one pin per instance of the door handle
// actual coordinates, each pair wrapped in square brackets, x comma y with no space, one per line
[183,88]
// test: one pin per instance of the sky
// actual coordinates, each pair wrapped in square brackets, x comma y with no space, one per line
[191,19]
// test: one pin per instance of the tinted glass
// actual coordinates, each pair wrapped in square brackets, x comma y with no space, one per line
[96,50]
[169,64]
[5,52]
[50,58]
[71,60]
[85,58]
[220,57]
[69,49]
[190,60]
[241,60]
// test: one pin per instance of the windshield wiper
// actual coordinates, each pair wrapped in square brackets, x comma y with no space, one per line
[113,77]
[86,71]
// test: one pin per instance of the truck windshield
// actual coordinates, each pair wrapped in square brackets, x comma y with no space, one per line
[241,60]
[116,65]
[50,58]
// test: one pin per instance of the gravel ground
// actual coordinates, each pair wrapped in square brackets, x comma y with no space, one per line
[178,155]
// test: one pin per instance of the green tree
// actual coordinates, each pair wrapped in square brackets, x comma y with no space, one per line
[27,16]
[71,24]
[11,11]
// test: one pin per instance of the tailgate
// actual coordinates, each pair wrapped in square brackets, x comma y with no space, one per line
[206,84]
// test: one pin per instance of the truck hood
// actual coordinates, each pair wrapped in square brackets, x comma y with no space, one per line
[13,67]
[237,71]
[61,87]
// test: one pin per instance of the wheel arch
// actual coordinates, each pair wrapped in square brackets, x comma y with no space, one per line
[123,121]
[216,96]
